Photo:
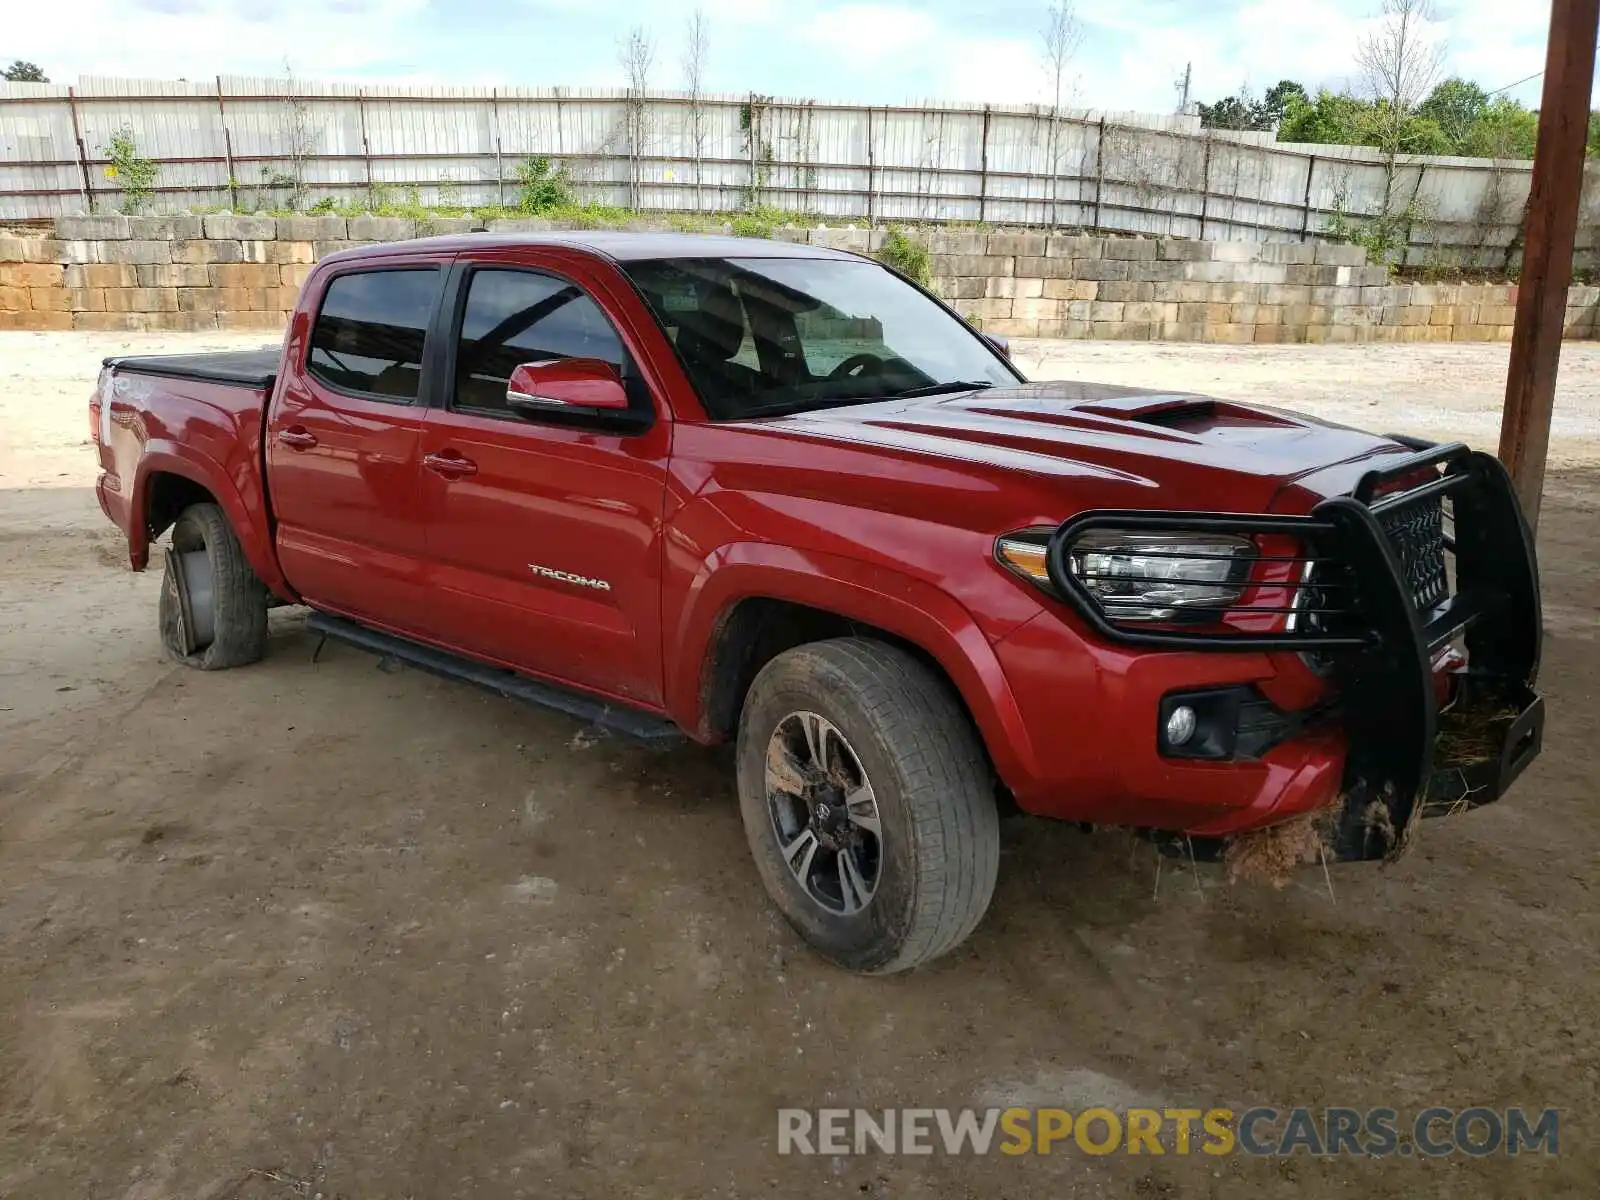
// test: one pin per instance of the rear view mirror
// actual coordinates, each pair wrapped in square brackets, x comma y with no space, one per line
[1001,344]
[562,384]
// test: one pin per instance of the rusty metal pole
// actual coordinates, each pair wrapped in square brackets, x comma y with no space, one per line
[83,157]
[1552,223]
[983,170]
[366,146]
[227,150]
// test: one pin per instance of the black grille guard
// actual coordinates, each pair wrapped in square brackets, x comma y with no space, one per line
[1378,642]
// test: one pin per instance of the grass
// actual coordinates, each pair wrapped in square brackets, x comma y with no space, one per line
[759,222]
[1472,735]
[907,254]
[1271,855]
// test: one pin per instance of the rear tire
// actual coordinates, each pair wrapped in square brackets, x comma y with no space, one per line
[899,755]
[229,626]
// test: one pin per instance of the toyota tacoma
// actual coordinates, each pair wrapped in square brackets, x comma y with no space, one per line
[747,491]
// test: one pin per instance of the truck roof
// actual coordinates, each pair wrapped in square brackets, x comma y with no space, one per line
[617,245]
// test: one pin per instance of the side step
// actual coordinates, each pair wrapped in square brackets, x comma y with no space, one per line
[628,722]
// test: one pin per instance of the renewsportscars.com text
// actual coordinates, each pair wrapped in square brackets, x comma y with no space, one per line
[1367,1133]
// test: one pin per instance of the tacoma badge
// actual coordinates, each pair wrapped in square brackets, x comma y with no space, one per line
[599,585]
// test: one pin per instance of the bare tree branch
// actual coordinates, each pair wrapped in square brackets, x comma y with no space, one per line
[696,54]
[636,53]
[1061,36]
[299,132]
[1400,61]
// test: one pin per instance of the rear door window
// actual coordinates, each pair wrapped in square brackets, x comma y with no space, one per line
[370,332]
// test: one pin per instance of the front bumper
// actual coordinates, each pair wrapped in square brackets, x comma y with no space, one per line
[1393,739]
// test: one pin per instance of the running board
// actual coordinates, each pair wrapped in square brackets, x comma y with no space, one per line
[628,722]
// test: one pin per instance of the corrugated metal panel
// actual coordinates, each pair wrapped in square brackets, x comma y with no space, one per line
[1153,174]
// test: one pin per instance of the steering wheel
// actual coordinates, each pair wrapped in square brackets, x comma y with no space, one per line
[857,366]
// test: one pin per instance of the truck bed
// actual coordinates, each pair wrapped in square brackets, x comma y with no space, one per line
[194,417]
[252,368]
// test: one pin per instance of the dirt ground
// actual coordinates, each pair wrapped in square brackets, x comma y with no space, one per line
[303,930]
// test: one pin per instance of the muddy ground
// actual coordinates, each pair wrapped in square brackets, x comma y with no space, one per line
[306,929]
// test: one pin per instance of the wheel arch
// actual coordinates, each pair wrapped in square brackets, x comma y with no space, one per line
[171,477]
[751,602]
[167,494]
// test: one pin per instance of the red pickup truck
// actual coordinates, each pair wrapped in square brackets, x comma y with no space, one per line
[746,490]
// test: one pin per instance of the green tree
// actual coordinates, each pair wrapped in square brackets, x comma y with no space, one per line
[1331,118]
[1420,135]
[1244,111]
[1274,105]
[1458,117]
[1231,112]
[1505,129]
[1456,105]
[25,72]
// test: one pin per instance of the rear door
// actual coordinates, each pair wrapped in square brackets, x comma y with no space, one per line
[342,442]
[545,529]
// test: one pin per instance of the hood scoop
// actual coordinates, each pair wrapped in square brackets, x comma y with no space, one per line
[1183,413]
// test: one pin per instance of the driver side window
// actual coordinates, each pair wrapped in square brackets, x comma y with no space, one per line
[515,317]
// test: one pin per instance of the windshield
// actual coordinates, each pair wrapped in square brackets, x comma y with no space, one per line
[766,336]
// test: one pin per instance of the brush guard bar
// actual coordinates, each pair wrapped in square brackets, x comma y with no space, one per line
[1367,599]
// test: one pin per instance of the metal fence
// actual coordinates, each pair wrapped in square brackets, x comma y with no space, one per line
[242,143]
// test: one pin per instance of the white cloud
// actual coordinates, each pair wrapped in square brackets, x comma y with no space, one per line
[199,39]
[873,50]
[731,12]
[871,35]
[996,69]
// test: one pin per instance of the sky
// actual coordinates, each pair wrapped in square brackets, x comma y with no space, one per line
[1131,55]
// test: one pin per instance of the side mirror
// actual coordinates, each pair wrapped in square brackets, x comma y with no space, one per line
[563,384]
[1001,343]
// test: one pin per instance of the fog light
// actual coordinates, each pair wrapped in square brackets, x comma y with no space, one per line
[1180,725]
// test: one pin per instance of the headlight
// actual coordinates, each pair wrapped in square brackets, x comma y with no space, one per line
[1139,576]
[1156,576]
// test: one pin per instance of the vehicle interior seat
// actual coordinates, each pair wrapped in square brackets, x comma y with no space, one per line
[400,380]
[710,335]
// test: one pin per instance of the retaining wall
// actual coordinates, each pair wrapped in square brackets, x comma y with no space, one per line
[117,273]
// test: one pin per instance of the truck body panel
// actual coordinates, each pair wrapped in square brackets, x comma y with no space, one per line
[202,426]
[610,552]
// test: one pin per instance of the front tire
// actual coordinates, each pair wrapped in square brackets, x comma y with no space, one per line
[213,608]
[867,803]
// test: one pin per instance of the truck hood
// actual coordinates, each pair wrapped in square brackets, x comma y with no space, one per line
[1196,452]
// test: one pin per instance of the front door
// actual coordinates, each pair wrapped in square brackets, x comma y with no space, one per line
[544,538]
[342,446]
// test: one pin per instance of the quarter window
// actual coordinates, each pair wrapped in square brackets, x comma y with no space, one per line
[371,330]
[515,317]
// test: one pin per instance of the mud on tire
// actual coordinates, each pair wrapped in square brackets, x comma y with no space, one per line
[933,873]
[238,599]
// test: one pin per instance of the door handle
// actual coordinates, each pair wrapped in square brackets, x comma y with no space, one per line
[297,438]
[450,464]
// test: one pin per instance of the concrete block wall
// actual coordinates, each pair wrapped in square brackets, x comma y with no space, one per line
[180,273]
[1144,289]
[219,271]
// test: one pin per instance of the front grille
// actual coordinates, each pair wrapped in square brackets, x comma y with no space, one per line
[1416,532]
[1356,573]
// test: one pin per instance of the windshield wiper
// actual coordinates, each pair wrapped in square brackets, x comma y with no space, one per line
[935,389]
